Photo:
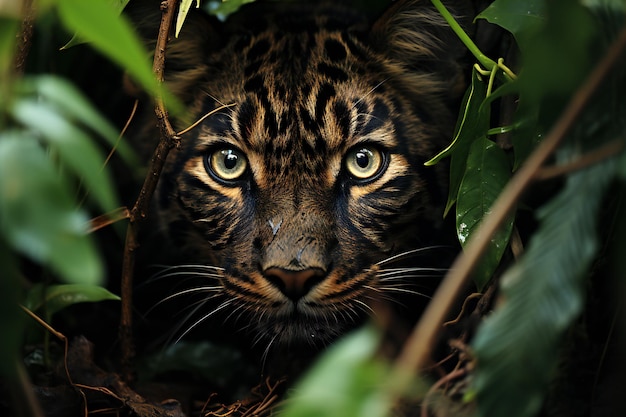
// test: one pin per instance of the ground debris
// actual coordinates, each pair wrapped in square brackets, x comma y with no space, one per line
[92,389]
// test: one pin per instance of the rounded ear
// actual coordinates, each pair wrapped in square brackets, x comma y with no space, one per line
[415,35]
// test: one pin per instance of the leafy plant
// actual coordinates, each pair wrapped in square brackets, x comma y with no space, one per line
[51,157]
[516,349]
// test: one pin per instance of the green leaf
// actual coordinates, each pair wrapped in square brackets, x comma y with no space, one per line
[223,9]
[9,26]
[37,214]
[76,150]
[560,53]
[347,381]
[517,346]
[183,9]
[97,22]
[58,297]
[473,98]
[472,123]
[74,105]
[116,5]
[487,173]
[518,17]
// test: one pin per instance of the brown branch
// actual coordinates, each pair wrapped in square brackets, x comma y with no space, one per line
[24,36]
[597,155]
[416,353]
[107,219]
[168,140]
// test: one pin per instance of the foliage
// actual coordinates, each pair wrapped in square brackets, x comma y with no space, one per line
[347,381]
[52,162]
[517,348]
[54,298]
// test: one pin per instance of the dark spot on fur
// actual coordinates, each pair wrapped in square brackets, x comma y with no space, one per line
[335,51]
[254,84]
[245,117]
[269,117]
[307,120]
[377,119]
[354,48]
[325,93]
[252,68]
[332,72]
[258,50]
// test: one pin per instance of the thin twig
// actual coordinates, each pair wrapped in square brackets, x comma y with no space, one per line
[200,120]
[597,155]
[457,373]
[119,137]
[56,334]
[418,348]
[167,140]
[107,219]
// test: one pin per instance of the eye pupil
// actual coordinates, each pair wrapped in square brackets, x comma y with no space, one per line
[230,159]
[226,164]
[364,163]
[362,158]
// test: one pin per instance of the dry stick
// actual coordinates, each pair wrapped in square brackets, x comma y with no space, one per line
[597,155]
[167,141]
[416,352]
[24,36]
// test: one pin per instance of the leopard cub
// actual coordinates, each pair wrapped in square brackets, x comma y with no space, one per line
[292,199]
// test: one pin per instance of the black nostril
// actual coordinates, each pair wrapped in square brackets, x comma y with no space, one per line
[294,284]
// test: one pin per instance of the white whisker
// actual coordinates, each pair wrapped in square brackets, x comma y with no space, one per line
[408,253]
[404,291]
[215,290]
[203,318]
[365,308]
[369,93]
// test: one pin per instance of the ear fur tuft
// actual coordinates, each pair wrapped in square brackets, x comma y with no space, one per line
[413,34]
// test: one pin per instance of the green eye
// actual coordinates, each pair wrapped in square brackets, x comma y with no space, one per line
[227,164]
[364,162]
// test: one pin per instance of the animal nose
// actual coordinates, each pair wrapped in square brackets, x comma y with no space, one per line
[294,284]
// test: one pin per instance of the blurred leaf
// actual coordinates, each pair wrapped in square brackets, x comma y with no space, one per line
[517,346]
[37,214]
[183,9]
[347,381]
[9,26]
[63,95]
[76,150]
[116,5]
[560,55]
[487,173]
[98,23]
[57,297]
[224,8]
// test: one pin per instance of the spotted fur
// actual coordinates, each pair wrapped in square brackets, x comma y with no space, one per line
[293,250]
